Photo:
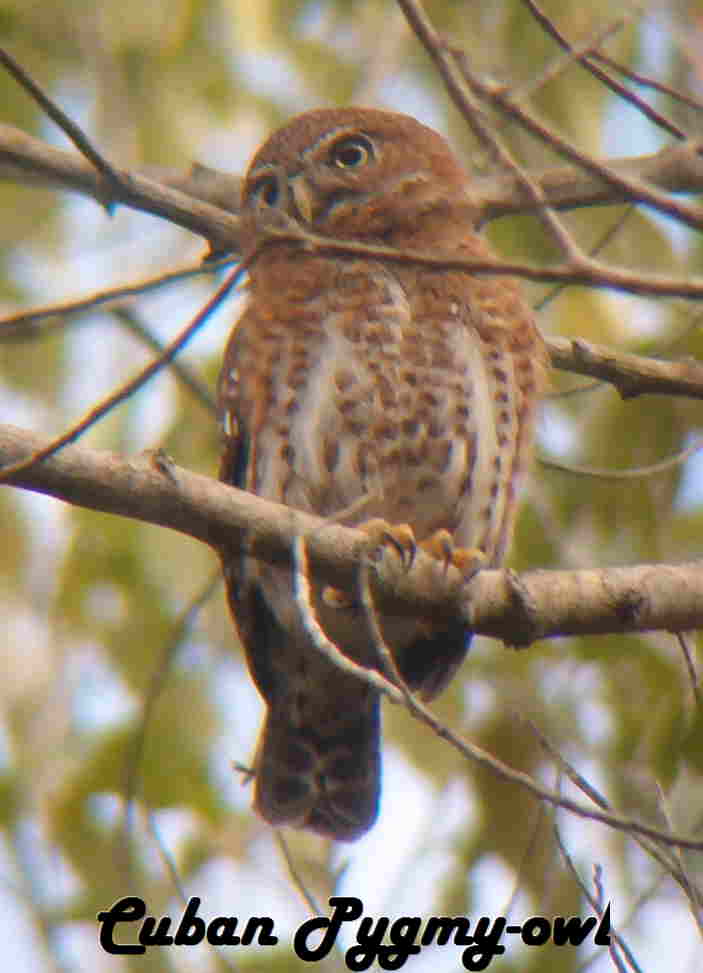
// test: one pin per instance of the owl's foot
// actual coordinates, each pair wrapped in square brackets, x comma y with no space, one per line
[381,534]
[398,536]
[440,546]
[467,560]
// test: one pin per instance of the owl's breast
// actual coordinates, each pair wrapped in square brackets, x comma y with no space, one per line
[376,395]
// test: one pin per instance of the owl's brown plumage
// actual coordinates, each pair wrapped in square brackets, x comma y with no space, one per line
[349,378]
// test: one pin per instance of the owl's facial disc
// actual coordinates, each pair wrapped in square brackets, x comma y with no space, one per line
[358,174]
[321,185]
[267,188]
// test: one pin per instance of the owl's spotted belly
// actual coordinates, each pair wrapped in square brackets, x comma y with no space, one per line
[409,455]
[407,426]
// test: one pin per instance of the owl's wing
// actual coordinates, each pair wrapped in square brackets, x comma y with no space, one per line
[318,760]
[235,406]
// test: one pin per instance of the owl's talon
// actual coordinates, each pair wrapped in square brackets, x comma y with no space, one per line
[161,461]
[467,560]
[381,534]
[399,536]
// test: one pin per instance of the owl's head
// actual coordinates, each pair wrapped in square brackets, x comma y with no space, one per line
[361,174]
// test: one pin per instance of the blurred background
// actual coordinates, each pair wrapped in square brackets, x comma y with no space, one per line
[124,699]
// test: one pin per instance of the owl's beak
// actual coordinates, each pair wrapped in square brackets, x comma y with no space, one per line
[303,197]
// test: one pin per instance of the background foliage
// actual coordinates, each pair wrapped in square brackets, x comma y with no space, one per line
[112,684]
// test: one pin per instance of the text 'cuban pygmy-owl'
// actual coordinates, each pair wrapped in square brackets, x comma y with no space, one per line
[350,377]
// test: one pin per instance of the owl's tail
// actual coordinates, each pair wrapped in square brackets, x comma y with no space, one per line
[328,783]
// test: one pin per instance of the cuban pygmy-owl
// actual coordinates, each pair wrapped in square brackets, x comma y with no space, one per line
[405,390]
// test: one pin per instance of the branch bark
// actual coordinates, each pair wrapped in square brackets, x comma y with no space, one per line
[539,604]
[30,161]
[206,201]
[632,375]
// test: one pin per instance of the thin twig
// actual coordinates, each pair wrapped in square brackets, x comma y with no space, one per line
[646,82]
[530,845]
[382,650]
[634,473]
[181,630]
[301,588]
[586,273]
[593,902]
[605,238]
[599,74]
[561,62]
[577,389]
[128,389]
[663,856]
[131,321]
[112,179]
[632,189]
[25,324]
[223,961]
[298,882]
[695,900]
[687,653]
[474,117]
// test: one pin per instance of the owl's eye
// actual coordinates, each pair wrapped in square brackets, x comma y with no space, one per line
[265,188]
[351,153]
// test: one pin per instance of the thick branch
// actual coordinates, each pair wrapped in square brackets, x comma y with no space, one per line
[542,603]
[676,169]
[25,159]
[631,374]
[205,201]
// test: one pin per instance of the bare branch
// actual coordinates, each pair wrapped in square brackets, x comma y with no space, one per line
[676,168]
[586,272]
[295,875]
[629,472]
[153,489]
[561,62]
[463,98]
[631,374]
[667,860]
[133,323]
[585,58]
[167,355]
[455,69]
[631,189]
[23,325]
[206,201]
[646,82]
[686,650]
[419,711]
[595,905]
[110,178]
[28,160]
[694,895]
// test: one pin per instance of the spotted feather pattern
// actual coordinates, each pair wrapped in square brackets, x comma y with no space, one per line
[404,392]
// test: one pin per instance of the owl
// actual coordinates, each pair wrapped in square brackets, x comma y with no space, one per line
[400,393]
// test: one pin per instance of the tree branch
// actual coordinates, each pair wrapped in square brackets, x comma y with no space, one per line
[631,374]
[539,604]
[27,160]
[206,201]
